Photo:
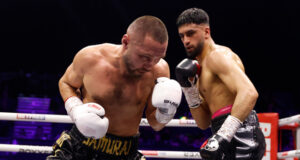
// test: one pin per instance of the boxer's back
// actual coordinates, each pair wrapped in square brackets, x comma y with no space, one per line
[215,92]
[123,98]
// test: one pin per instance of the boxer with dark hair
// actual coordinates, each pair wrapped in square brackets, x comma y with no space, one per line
[218,92]
[116,83]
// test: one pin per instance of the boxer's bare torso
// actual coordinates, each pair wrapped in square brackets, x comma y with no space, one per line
[103,78]
[123,98]
[108,87]
[222,81]
[215,92]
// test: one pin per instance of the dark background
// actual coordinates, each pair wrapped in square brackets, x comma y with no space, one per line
[39,39]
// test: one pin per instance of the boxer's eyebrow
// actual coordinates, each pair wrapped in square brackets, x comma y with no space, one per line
[190,32]
[187,33]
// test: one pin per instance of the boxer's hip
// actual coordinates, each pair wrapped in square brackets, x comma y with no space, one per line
[220,116]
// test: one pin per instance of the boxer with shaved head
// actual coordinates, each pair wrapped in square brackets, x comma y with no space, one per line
[106,89]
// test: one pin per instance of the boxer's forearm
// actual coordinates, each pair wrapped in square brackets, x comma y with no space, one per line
[244,103]
[201,116]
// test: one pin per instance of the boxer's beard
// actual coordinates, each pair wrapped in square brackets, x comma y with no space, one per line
[128,64]
[197,50]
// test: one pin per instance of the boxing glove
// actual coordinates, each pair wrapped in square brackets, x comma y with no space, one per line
[186,70]
[166,97]
[88,118]
[215,147]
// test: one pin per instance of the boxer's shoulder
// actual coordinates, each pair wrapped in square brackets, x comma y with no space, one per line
[98,52]
[99,49]
[219,57]
[162,64]
[89,53]
[222,56]
[91,56]
[161,69]
[219,50]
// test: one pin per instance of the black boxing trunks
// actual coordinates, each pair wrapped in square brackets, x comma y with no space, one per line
[248,143]
[72,145]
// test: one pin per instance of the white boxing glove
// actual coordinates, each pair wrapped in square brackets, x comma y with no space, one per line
[166,98]
[88,118]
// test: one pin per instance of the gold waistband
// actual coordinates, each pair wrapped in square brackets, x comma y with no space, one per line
[109,146]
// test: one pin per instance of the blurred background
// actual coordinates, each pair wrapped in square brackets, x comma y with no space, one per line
[40,38]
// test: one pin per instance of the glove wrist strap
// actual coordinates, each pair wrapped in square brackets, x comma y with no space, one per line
[192,96]
[163,117]
[70,103]
[229,127]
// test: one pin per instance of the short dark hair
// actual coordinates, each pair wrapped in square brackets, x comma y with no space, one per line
[149,25]
[192,15]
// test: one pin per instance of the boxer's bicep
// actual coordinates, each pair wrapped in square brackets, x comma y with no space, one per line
[228,71]
[69,83]
[234,78]
[237,82]
[73,77]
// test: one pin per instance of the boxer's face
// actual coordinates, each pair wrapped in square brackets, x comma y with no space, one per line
[193,37]
[142,56]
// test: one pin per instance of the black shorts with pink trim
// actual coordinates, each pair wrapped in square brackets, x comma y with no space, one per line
[248,143]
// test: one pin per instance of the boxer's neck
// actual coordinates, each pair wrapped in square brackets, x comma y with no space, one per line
[209,46]
[120,53]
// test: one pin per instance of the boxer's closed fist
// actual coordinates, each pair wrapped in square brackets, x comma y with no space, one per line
[186,70]
[166,98]
[90,121]
[88,118]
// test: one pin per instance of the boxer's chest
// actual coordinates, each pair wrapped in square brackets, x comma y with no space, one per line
[213,89]
[208,83]
[205,81]
[111,89]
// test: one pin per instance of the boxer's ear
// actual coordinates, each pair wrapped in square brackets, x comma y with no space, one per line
[207,32]
[125,41]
